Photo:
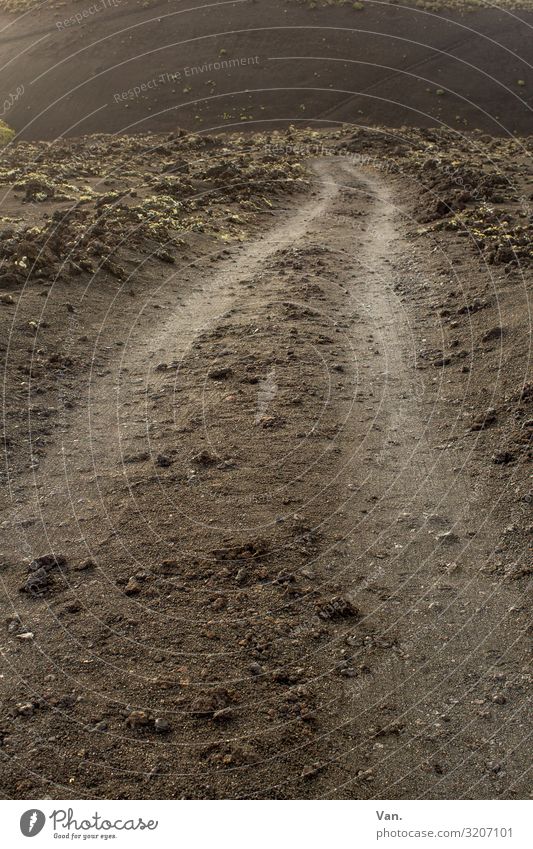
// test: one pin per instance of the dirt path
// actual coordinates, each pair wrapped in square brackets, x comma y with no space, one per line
[285,565]
[114,421]
[461,650]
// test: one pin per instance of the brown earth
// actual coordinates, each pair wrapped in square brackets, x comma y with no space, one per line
[277,467]
[289,63]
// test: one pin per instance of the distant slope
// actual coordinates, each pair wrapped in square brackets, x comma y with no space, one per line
[137,66]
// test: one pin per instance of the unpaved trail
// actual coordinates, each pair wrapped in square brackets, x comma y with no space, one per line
[286,563]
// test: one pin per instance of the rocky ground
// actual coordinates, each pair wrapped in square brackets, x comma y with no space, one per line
[267,421]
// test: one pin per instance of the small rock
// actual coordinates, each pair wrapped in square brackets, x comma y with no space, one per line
[141,457]
[442,361]
[338,608]
[72,607]
[220,373]
[348,672]
[310,771]
[502,458]
[447,537]
[162,725]
[169,565]
[224,715]
[269,421]
[48,562]
[514,571]
[37,583]
[492,334]
[154,773]
[138,719]
[206,458]
[14,624]
[484,420]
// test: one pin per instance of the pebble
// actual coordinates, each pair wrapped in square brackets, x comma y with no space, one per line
[492,334]
[154,773]
[348,672]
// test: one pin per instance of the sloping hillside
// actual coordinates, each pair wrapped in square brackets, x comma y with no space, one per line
[129,66]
